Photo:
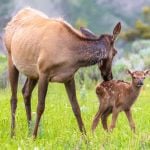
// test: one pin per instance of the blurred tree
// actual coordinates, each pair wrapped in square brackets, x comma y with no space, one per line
[6,8]
[141,29]
[82,11]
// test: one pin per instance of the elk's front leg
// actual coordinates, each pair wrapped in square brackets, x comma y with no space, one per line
[71,91]
[42,90]
[130,119]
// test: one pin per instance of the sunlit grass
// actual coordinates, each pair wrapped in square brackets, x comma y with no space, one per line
[59,130]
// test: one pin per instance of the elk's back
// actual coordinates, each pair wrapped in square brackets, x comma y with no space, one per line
[113,90]
[31,37]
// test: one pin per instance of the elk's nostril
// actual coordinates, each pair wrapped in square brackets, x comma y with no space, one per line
[140,83]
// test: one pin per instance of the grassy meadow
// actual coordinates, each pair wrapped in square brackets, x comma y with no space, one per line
[59,131]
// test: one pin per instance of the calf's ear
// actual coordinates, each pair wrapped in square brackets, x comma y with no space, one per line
[129,72]
[98,89]
[116,30]
[147,72]
[86,32]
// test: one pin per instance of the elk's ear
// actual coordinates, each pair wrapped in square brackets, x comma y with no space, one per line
[116,30]
[147,72]
[129,72]
[87,33]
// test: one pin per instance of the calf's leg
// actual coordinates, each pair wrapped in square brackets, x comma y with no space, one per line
[13,77]
[114,119]
[71,91]
[96,119]
[104,117]
[130,119]
[102,108]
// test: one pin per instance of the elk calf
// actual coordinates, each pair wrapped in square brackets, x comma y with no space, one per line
[116,96]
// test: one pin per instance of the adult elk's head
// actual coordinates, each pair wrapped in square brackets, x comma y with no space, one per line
[105,64]
[106,45]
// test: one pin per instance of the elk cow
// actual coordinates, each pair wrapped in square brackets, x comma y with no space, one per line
[51,50]
[115,96]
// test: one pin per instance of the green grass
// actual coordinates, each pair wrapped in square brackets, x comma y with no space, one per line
[59,130]
[3,63]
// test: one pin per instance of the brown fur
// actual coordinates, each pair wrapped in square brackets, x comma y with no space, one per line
[115,96]
[51,50]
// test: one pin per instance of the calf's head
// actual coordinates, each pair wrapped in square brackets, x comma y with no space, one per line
[138,77]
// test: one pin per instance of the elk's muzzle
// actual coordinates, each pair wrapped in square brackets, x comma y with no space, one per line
[107,77]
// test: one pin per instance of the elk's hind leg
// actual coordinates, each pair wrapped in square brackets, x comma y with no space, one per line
[104,118]
[27,93]
[42,90]
[98,115]
[96,119]
[13,78]
[115,113]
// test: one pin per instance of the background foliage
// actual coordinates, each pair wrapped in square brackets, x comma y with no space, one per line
[99,16]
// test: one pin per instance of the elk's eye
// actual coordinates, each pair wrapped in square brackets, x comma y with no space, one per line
[114,53]
[112,43]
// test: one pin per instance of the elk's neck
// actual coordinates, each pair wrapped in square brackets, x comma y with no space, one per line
[91,52]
